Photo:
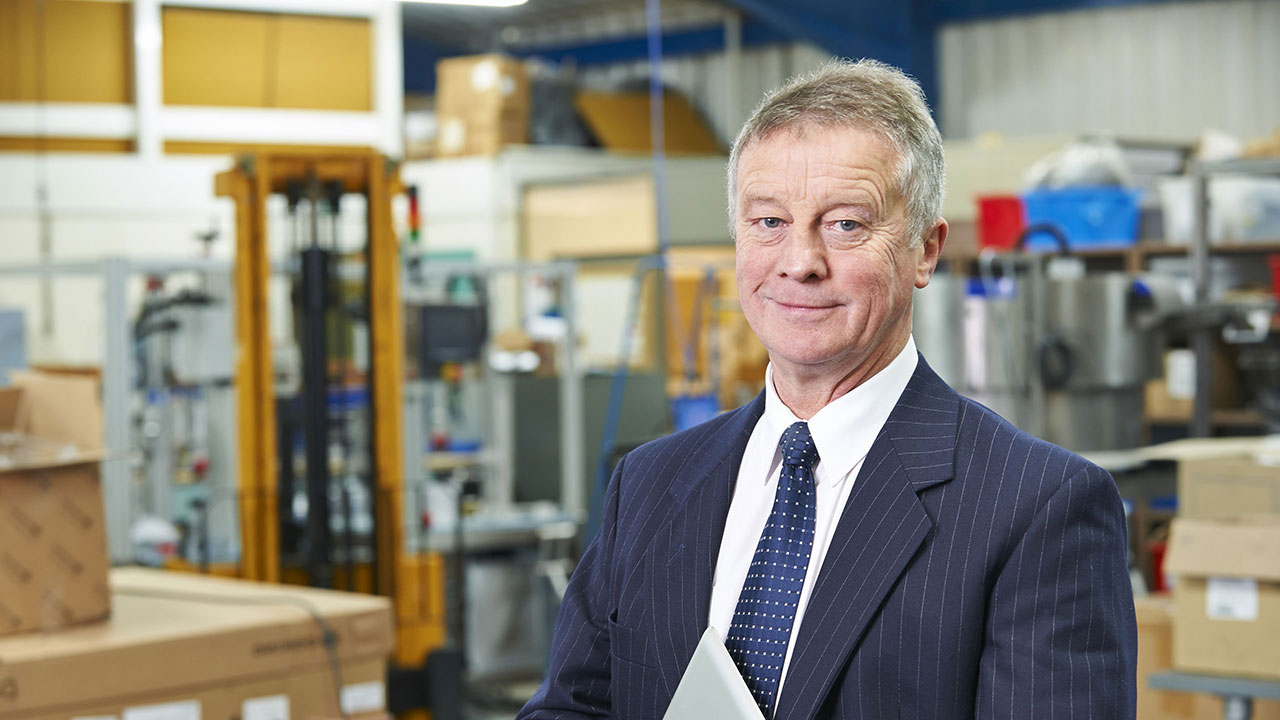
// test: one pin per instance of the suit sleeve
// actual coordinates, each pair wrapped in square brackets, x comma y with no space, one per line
[1061,638]
[578,678]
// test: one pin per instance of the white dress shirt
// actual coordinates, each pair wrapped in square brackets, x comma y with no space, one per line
[842,432]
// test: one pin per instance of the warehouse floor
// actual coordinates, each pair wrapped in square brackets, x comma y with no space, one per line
[498,702]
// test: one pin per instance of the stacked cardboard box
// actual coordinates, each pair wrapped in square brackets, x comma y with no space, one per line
[1224,562]
[1155,654]
[1229,485]
[482,105]
[1224,558]
[190,647]
[53,542]
[1227,596]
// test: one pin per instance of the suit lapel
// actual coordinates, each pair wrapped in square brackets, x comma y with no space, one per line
[879,532]
[684,552]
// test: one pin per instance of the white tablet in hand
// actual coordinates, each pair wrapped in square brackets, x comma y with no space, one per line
[712,687]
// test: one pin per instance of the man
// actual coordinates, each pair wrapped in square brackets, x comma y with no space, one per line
[869,543]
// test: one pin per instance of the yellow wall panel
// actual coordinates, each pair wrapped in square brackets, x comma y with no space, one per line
[65,51]
[87,51]
[214,57]
[18,43]
[322,63]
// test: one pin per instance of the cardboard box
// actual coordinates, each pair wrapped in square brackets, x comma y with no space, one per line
[199,648]
[481,82]
[1226,596]
[1223,477]
[573,220]
[1155,653]
[461,136]
[53,538]
[1226,487]
[1170,399]
[300,696]
[482,104]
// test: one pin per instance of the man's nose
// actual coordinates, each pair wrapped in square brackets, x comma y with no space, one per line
[804,256]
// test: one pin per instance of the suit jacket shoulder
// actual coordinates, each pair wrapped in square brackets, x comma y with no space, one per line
[656,478]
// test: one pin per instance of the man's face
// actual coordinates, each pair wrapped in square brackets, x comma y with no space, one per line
[825,270]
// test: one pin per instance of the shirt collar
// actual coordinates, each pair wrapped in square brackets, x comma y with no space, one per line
[844,430]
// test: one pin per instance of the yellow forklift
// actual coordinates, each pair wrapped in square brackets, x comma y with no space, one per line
[321,462]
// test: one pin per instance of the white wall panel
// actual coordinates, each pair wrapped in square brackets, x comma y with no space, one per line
[100,206]
[1165,70]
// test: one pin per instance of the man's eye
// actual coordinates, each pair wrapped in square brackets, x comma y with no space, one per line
[847,225]
[771,222]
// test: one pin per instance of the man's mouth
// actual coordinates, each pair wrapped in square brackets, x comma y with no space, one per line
[802,305]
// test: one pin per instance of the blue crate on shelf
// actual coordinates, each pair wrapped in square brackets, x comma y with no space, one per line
[690,410]
[1090,217]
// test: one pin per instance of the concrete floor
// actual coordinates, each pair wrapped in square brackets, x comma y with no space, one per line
[499,701]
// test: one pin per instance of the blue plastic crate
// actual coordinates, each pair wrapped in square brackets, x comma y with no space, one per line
[1090,217]
[690,410]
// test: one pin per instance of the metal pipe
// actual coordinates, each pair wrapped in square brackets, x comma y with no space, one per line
[315,422]
[573,488]
[1038,422]
[733,69]
[1202,334]
[117,386]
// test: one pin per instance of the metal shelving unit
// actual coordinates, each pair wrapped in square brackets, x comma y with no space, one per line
[1200,251]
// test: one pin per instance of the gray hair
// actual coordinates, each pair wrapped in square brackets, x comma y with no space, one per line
[867,95]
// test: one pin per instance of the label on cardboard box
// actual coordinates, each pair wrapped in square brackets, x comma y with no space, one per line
[185,710]
[1232,599]
[270,707]
[453,135]
[363,697]
[484,75]
[1180,373]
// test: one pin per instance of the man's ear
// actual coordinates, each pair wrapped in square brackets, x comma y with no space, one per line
[934,239]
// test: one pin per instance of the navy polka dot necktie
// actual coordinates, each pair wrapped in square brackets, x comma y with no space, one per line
[761,628]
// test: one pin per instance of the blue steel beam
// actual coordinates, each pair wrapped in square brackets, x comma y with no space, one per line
[899,32]
[682,42]
[420,59]
[946,11]
[420,56]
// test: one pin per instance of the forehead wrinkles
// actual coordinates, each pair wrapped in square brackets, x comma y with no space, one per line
[796,173]
[816,168]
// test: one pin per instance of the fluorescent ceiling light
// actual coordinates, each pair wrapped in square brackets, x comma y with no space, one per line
[477,3]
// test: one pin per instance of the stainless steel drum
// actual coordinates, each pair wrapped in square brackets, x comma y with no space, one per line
[1063,356]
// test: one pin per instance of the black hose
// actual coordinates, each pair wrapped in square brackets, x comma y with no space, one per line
[1064,248]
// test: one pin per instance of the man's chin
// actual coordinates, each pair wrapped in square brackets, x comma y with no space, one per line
[807,360]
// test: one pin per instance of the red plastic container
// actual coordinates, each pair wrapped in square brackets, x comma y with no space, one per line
[1157,549]
[1274,262]
[1001,219]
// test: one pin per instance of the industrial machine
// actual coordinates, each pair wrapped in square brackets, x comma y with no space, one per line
[477,336]
[321,461]
[183,397]
[1058,351]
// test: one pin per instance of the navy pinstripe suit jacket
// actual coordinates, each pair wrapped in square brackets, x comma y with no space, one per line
[976,572]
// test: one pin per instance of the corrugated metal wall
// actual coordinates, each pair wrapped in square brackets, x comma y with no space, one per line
[1167,71]
[706,79]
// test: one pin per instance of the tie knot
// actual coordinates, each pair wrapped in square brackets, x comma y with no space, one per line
[797,446]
